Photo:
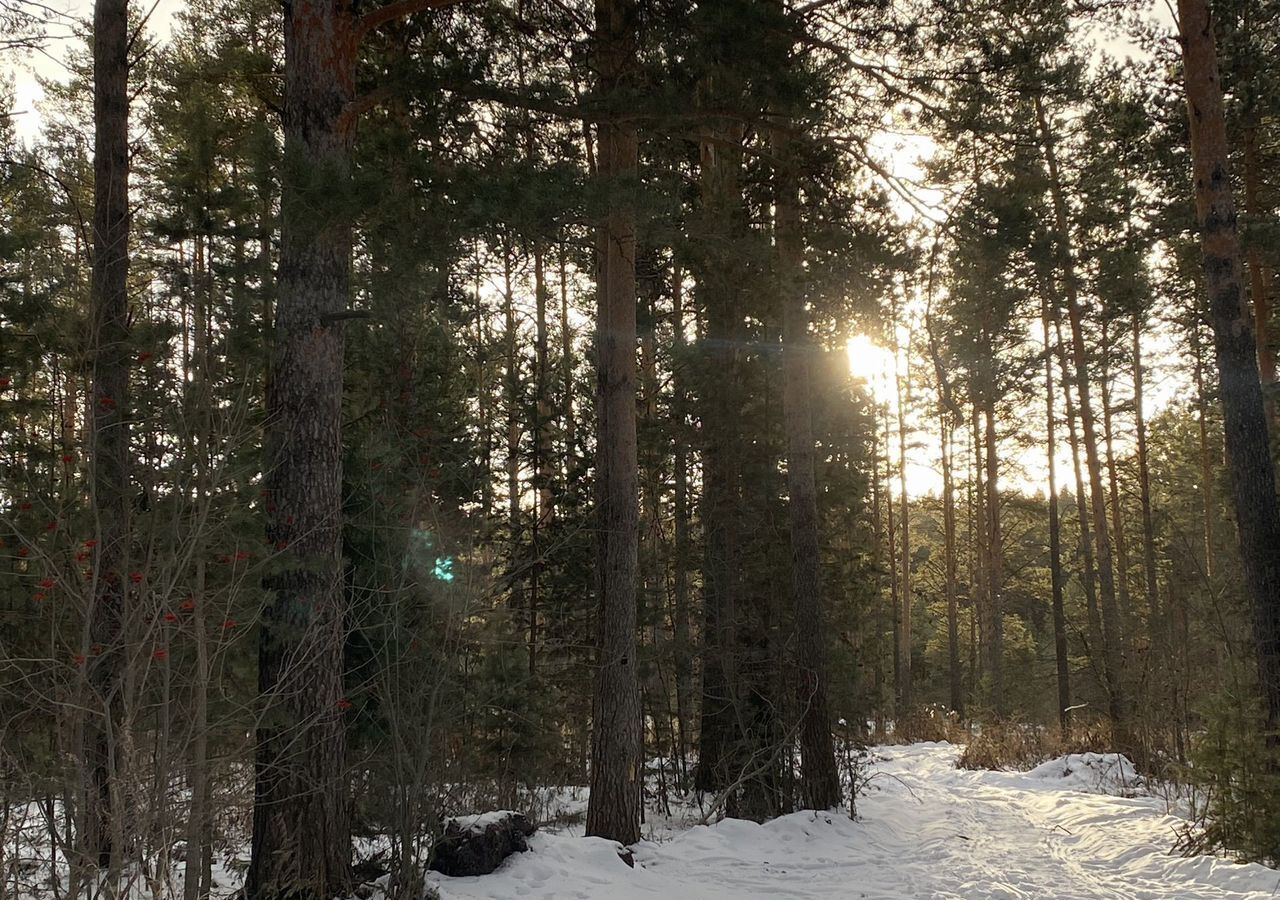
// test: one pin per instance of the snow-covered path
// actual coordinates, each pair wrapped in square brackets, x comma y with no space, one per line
[928,830]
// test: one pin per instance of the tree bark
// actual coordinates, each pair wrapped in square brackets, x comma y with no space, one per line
[651,597]
[877,556]
[198,834]
[980,600]
[1117,512]
[566,365]
[483,393]
[104,817]
[1248,447]
[511,389]
[954,677]
[891,545]
[616,751]
[301,839]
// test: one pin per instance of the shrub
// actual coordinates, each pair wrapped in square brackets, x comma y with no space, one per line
[1019,746]
[929,723]
[1237,806]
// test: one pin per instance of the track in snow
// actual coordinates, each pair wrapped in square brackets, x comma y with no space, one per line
[928,832]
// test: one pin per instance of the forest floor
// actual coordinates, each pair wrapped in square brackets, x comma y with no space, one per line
[1063,831]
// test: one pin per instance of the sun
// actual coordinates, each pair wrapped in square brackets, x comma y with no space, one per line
[871,363]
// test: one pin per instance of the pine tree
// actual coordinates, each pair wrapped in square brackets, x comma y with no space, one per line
[616,751]
[301,842]
[1247,444]
[105,816]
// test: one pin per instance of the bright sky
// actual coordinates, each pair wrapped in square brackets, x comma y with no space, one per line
[48,63]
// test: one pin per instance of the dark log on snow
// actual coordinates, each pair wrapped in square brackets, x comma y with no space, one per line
[476,845]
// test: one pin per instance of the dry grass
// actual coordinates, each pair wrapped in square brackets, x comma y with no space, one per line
[1018,746]
[929,723]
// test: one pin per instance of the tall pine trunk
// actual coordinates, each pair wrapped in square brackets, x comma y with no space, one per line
[197,865]
[1159,633]
[980,597]
[511,390]
[1259,274]
[904,631]
[1055,532]
[1206,452]
[820,785]
[1093,619]
[104,817]
[543,452]
[719,283]
[1117,511]
[891,547]
[484,393]
[1111,625]
[567,424]
[1248,447]
[877,559]
[995,562]
[680,561]
[614,809]
[948,414]
[1151,576]
[301,840]
[955,679]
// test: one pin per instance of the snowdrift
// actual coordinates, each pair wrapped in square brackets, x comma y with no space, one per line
[1101,773]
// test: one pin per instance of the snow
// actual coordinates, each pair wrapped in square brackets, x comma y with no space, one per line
[928,831]
[479,822]
[1101,773]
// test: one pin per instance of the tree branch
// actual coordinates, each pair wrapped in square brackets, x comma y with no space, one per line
[400,9]
[351,112]
[70,194]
